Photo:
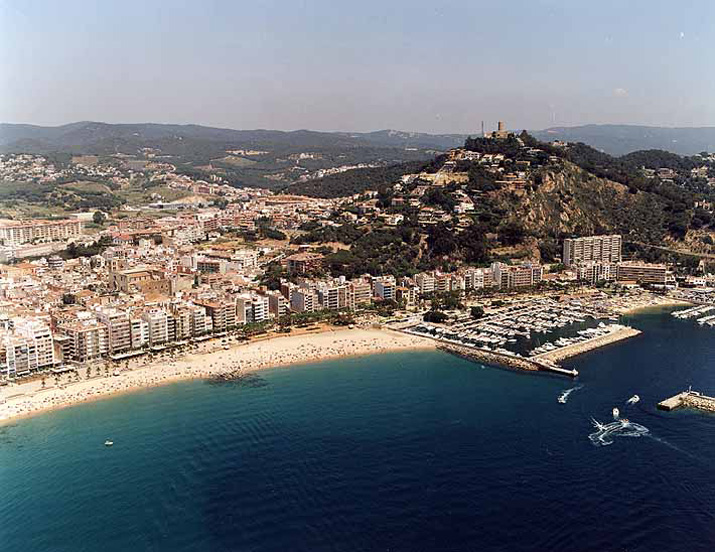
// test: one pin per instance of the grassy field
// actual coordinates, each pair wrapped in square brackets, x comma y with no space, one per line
[85,160]
[138,196]
[234,161]
[86,187]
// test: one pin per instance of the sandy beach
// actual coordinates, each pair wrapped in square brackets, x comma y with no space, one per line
[28,398]
[651,301]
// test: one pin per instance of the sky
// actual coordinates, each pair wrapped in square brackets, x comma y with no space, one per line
[439,66]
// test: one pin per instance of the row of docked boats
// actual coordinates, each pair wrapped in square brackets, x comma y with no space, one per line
[693,312]
[538,316]
[583,335]
[703,313]
[504,327]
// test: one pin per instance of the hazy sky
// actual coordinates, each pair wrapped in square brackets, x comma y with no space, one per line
[438,66]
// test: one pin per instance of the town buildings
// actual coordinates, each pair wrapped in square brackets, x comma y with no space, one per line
[643,273]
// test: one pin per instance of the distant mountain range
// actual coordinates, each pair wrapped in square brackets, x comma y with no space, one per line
[103,138]
[184,140]
[622,139]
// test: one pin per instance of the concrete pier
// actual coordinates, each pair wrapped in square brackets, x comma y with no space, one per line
[688,399]
[672,403]
[508,361]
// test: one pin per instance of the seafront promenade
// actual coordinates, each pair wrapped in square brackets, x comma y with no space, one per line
[563,353]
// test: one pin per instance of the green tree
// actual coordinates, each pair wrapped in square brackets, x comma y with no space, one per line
[476,312]
[99,217]
[434,316]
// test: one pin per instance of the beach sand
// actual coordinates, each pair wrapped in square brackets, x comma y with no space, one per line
[653,301]
[29,398]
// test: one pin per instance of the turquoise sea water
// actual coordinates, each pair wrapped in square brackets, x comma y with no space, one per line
[403,451]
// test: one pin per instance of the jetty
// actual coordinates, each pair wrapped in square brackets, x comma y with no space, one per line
[618,334]
[507,361]
[688,399]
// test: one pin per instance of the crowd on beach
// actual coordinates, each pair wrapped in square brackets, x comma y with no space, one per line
[24,399]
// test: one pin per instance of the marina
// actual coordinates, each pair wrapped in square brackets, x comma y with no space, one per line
[703,314]
[533,335]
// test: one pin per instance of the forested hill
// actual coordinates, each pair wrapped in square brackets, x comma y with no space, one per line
[96,138]
[664,206]
[355,181]
[509,199]
[524,193]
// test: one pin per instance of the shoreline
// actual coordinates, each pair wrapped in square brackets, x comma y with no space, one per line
[665,302]
[28,399]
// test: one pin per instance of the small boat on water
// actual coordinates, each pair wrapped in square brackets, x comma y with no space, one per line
[108,443]
[633,400]
[616,413]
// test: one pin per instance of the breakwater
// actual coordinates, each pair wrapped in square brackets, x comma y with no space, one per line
[506,361]
[569,351]
[688,399]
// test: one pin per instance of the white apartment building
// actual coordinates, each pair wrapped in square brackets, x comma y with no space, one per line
[139,331]
[361,291]
[426,282]
[14,232]
[252,308]
[26,348]
[606,249]
[304,300]
[277,304]
[593,271]
[385,287]
[158,323]
[244,259]
[119,327]
[508,277]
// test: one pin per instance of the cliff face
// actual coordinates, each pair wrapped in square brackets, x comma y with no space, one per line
[568,200]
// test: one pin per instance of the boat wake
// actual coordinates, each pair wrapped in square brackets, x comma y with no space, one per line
[564,396]
[605,434]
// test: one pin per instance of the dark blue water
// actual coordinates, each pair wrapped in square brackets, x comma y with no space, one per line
[400,452]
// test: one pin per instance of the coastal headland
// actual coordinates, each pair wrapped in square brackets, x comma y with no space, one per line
[31,397]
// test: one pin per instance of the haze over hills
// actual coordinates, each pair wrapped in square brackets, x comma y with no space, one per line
[622,139]
[264,158]
[103,138]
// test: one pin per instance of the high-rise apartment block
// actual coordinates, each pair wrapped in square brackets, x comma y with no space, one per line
[605,249]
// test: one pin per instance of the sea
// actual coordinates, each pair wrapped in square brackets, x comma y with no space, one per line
[414,451]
